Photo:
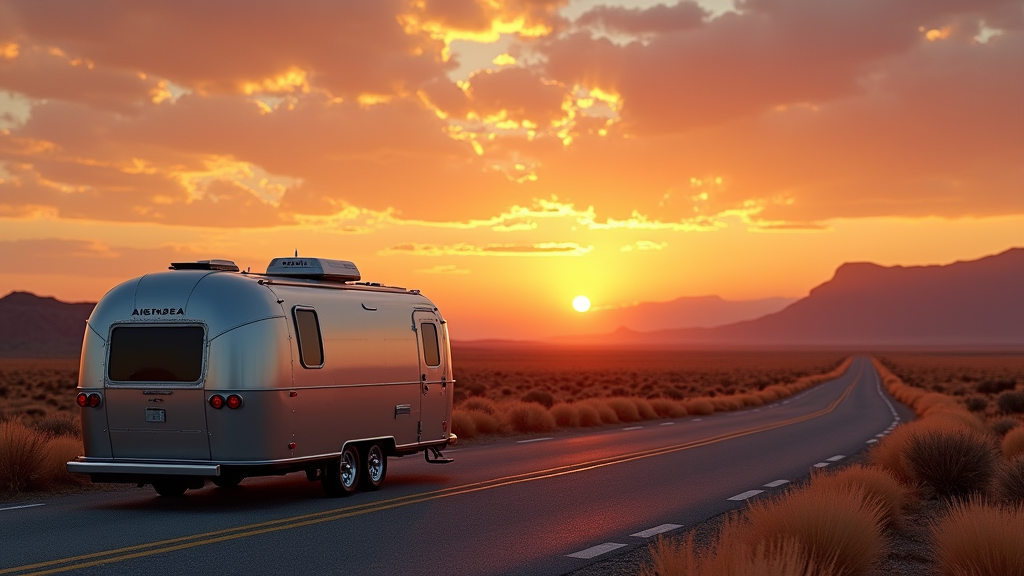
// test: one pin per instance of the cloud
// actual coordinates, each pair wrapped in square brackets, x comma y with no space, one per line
[658,19]
[348,48]
[809,111]
[443,269]
[644,245]
[769,53]
[463,249]
[62,257]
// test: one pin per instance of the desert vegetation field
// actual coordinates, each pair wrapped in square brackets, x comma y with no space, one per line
[946,490]
[991,386]
[515,390]
[39,428]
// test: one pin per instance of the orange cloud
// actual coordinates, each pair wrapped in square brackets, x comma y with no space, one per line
[463,249]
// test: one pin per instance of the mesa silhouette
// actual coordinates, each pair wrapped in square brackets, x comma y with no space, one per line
[978,303]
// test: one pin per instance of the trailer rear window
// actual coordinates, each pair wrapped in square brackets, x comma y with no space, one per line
[311,348]
[156,354]
[431,350]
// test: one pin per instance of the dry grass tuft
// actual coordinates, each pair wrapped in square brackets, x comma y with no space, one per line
[22,457]
[625,409]
[32,460]
[603,410]
[484,422]
[889,453]
[60,424]
[668,408]
[566,415]
[838,526]
[526,418]
[1013,443]
[463,426]
[589,416]
[480,404]
[732,557]
[60,450]
[952,463]
[1003,426]
[978,539]
[1009,481]
[647,412]
[542,397]
[879,485]
[699,406]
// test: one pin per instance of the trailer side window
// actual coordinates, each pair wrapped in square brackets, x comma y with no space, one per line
[156,353]
[431,350]
[311,346]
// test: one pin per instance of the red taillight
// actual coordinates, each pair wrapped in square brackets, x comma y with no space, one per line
[94,400]
[83,399]
[217,401]
[234,401]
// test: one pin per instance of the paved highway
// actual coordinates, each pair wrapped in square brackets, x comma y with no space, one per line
[517,506]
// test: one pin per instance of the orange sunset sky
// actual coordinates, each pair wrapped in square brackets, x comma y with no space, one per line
[506,156]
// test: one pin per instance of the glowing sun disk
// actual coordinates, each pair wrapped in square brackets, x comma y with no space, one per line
[581,303]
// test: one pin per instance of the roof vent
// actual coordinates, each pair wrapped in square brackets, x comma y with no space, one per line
[226,265]
[314,268]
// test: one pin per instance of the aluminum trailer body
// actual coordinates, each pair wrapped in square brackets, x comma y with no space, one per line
[202,372]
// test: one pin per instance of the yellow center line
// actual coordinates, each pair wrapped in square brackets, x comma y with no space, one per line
[181,543]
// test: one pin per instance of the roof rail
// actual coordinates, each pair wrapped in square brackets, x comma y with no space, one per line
[226,265]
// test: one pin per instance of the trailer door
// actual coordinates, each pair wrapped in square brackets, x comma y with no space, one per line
[154,391]
[433,377]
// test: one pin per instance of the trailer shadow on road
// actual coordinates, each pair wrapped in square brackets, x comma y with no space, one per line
[289,493]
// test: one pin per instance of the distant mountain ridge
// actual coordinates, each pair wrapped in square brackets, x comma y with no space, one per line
[968,303]
[977,303]
[686,312]
[37,327]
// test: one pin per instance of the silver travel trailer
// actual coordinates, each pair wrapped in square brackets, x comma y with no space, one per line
[204,372]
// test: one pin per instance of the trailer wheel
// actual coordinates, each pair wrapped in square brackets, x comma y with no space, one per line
[375,468]
[170,488]
[342,477]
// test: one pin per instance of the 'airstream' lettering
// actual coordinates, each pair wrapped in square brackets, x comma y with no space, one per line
[158,312]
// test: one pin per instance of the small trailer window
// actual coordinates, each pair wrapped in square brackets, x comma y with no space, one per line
[431,350]
[156,353]
[311,347]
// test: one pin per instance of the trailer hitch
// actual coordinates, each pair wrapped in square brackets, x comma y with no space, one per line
[438,457]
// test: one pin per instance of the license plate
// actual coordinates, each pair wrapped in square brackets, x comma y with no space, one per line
[155,415]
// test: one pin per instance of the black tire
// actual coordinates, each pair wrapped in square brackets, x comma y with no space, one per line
[341,478]
[170,488]
[375,467]
[227,481]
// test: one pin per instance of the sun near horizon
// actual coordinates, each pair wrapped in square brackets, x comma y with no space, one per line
[581,303]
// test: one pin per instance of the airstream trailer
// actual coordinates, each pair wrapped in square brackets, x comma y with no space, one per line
[204,372]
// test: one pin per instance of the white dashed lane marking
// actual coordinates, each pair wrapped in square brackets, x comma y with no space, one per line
[20,507]
[633,428]
[872,441]
[776,483]
[821,464]
[835,458]
[656,530]
[533,440]
[747,494]
[696,420]
[666,424]
[594,551]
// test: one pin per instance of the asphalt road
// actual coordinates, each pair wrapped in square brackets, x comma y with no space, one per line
[517,506]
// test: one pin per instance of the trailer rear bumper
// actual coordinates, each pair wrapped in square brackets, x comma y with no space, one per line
[141,469]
